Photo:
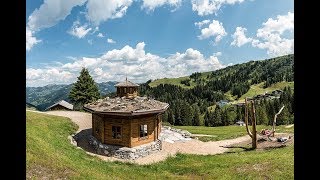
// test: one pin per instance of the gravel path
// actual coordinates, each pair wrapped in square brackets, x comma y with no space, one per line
[192,146]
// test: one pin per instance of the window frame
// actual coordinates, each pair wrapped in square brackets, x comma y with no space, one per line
[117,132]
[144,131]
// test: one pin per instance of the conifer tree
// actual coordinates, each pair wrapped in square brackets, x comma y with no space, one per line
[196,116]
[84,90]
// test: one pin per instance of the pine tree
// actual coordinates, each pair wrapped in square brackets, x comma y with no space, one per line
[170,117]
[206,118]
[217,117]
[186,114]
[84,90]
[196,116]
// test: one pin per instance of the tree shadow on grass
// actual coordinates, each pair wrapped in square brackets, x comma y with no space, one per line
[238,147]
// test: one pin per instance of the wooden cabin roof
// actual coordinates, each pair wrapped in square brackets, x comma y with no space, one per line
[126,107]
[126,84]
[62,103]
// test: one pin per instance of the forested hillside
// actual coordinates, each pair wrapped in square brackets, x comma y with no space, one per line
[196,105]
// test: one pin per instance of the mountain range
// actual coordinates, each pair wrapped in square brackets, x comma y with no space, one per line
[43,97]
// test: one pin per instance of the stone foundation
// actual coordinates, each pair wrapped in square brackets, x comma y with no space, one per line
[184,133]
[125,152]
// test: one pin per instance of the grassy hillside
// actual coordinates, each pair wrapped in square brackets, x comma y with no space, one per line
[51,156]
[228,132]
[258,89]
[177,81]
[263,69]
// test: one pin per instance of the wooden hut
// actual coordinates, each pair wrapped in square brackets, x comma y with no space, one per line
[61,105]
[126,121]
[127,89]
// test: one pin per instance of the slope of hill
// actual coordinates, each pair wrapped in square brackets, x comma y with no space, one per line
[268,71]
[257,89]
[46,139]
[177,81]
[42,97]
[31,107]
[190,97]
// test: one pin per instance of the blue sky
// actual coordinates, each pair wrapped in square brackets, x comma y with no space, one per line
[150,39]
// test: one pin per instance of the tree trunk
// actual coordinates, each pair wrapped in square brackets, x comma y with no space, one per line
[254,128]
[275,120]
[246,117]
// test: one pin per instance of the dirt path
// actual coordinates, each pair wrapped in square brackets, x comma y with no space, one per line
[193,146]
[82,119]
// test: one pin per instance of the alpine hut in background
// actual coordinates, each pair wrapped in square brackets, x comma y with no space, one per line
[61,105]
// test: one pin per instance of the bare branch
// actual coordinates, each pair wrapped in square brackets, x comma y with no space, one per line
[275,120]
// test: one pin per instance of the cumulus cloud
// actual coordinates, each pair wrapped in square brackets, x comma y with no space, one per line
[111,41]
[102,10]
[79,31]
[133,61]
[100,35]
[48,15]
[150,5]
[270,36]
[215,29]
[217,54]
[37,77]
[30,39]
[200,24]
[51,12]
[239,37]
[207,7]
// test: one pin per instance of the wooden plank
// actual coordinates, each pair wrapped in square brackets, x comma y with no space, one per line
[130,141]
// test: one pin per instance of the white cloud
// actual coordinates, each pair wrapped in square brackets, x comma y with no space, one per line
[48,15]
[200,24]
[215,29]
[90,41]
[150,5]
[206,7]
[239,37]
[100,35]
[51,12]
[78,30]
[270,36]
[217,54]
[37,77]
[102,10]
[96,29]
[111,41]
[133,61]
[30,39]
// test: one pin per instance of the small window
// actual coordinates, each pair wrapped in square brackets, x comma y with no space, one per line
[143,131]
[116,132]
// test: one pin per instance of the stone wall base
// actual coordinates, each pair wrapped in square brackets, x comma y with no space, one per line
[125,152]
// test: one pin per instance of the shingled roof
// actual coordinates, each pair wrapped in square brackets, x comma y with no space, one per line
[125,106]
[62,103]
[126,84]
